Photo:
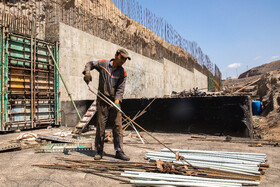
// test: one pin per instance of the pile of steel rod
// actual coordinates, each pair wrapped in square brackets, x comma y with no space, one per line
[174,173]
[235,162]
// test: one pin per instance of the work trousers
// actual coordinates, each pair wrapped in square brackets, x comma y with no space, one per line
[108,115]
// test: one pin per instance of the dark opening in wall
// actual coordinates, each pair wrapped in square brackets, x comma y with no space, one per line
[223,115]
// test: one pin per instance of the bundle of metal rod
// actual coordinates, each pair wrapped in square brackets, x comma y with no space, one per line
[112,173]
[138,114]
[153,171]
[95,167]
[148,178]
[112,104]
[241,163]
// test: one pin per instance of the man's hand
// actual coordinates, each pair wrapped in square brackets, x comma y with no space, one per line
[117,103]
[87,77]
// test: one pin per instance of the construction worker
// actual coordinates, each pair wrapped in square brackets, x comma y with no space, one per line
[112,79]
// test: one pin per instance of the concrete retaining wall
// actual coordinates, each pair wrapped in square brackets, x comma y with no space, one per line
[146,77]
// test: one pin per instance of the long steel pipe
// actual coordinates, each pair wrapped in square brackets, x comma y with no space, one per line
[202,151]
[204,158]
[157,183]
[254,158]
[174,176]
[147,178]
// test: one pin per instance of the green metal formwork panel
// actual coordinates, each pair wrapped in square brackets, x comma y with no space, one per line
[19,48]
[21,55]
[4,80]
[42,55]
[1,76]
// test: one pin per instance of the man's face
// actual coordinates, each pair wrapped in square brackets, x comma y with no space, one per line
[120,60]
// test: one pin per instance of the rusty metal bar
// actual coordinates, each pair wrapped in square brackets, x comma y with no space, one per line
[32,81]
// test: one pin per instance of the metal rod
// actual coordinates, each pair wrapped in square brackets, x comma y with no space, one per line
[200,151]
[180,158]
[140,113]
[64,82]
[196,178]
[159,183]
[32,78]
[113,104]
[137,133]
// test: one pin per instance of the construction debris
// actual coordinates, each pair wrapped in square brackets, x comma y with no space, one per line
[63,147]
[184,93]
[62,134]
[108,137]
[251,142]
[209,168]
[27,136]
[235,162]
[8,147]
[58,139]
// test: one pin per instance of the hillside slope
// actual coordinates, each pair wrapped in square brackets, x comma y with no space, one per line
[275,65]
[266,90]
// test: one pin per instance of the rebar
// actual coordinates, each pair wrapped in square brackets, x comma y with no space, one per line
[237,162]
[103,97]
[69,94]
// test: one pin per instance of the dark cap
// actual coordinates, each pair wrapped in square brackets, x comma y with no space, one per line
[124,53]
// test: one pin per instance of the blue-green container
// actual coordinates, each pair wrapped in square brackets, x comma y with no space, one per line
[256,107]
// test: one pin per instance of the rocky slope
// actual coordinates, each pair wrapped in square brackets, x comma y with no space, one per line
[267,125]
[267,90]
[275,65]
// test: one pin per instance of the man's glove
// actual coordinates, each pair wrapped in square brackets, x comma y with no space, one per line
[87,77]
[118,105]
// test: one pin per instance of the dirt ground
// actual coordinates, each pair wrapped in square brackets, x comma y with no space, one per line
[16,166]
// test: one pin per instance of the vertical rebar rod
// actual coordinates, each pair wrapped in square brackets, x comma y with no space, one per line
[31,80]
[69,94]
[2,78]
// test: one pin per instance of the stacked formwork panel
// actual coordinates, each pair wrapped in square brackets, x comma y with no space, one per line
[29,83]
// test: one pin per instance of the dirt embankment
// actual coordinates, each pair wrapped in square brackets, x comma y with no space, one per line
[266,90]
[267,125]
[126,32]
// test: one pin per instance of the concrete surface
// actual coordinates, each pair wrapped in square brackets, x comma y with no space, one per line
[16,167]
[146,77]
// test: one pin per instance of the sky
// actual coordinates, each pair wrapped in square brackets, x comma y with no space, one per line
[237,35]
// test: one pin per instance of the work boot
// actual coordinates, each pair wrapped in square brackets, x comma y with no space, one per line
[122,156]
[98,155]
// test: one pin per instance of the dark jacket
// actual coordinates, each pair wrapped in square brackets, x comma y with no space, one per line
[111,83]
